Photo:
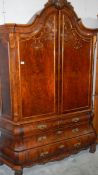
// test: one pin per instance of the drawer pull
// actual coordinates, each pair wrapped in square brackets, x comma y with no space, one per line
[75,120]
[42,126]
[59,132]
[22,62]
[44,154]
[60,122]
[75,130]
[61,146]
[40,139]
[77,145]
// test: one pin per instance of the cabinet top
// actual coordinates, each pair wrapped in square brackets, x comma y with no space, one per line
[37,21]
[59,3]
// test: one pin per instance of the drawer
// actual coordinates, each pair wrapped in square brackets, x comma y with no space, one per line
[46,125]
[65,147]
[50,152]
[53,136]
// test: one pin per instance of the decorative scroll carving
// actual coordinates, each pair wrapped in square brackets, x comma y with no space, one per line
[70,35]
[59,3]
[47,33]
[77,41]
[67,30]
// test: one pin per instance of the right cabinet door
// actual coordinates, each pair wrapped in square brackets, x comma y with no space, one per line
[76,67]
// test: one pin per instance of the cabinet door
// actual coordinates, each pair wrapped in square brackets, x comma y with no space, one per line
[76,67]
[38,70]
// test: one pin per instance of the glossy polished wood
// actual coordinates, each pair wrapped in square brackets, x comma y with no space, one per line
[95,122]
[40,79]
[46,88]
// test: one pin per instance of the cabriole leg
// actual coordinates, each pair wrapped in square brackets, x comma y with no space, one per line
[19,172]
[1,163]
[92,148]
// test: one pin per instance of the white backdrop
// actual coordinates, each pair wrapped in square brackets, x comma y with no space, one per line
[20,11]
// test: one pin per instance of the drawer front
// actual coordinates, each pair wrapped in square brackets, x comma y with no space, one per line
[53,136]
[57,149]
[45,125]
[58,123]
[49,152]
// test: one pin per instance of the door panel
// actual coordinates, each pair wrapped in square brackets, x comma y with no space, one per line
[38,71]
[76,69]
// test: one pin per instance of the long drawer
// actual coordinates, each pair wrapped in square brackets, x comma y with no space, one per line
[52,123]
[42,125]
[51,136]
[51,151]
[63,147]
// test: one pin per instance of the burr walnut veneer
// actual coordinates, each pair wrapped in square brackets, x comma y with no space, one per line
[46,77]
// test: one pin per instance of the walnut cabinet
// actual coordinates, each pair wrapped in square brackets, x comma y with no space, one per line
[46,82]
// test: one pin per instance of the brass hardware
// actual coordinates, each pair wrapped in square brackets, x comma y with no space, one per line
[22,62]
[75,120]
[40,139]
[77,144]
[59,132]
[75,130]
[61,146]
[42,126]
[60,122]
[44,154]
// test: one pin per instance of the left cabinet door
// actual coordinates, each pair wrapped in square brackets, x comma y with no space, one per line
[38,70]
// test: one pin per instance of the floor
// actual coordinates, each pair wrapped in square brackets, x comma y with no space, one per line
[83,163]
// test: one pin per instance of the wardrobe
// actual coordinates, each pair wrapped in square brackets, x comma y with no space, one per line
[46,85]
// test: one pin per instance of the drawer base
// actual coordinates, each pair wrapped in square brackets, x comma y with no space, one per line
[44,154]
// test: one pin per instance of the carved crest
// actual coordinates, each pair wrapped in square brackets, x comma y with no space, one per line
[59,3]
[47,33]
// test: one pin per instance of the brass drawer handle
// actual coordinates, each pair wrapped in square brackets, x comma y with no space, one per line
[40,139]
[22,62]
[75,130]
[44,154]
[75,120]
[59,132]
[77,144]
[60,122]
[61,146]
[42,126]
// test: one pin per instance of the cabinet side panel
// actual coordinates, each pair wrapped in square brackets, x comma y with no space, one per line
[4,79]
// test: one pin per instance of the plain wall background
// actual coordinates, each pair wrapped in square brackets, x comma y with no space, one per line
[20,11]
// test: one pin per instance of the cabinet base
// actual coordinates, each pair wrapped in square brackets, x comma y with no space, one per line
[19,169]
